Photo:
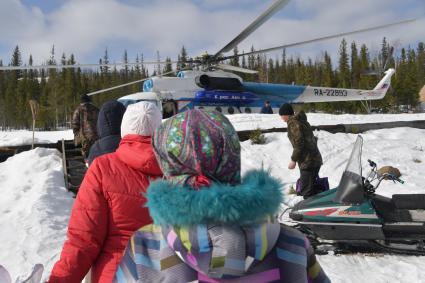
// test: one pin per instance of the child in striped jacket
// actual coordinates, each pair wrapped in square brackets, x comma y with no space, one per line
[209,224]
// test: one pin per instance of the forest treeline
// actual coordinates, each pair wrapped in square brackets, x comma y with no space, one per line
[58,90]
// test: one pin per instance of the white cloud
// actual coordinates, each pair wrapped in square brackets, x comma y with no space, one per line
[84,27]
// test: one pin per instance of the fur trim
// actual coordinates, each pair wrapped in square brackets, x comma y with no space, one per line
[258,196]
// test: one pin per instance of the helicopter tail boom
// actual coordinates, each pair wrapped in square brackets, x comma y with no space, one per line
[284,93]
[324,94]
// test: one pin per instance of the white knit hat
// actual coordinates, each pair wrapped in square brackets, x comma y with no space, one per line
[141,118]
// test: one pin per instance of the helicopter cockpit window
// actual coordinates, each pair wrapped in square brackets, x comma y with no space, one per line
[169,109]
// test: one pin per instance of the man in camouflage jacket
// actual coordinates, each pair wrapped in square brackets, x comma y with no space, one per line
[84,124]
[305,151]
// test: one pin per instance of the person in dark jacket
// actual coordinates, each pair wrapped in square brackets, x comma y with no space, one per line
[108,129]
[84,124]
[267,108]
[305,151]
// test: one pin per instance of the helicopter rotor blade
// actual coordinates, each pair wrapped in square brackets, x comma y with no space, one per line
[130,83]
[116,87]
[319,39]
[276,6]
[12,68]
[235,69]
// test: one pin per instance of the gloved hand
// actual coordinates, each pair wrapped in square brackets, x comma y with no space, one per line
[292,165]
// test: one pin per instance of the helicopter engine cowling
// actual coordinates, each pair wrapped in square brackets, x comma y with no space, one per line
[219,83]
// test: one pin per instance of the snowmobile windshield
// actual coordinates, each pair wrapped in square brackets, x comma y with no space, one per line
[350,188]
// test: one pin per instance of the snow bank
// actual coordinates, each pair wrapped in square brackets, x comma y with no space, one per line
[243,122]
[34,210]
[12,138]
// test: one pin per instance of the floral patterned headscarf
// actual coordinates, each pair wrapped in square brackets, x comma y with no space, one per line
[198,147]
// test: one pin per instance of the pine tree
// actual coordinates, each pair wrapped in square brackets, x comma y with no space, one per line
[355,66]
[168,66]
[105,59]
[126,69]
[244,61]
[364,82]
[411,83]
[182,59]
[16,61]
[385,53]
[137,67]
[400,79]
[420,61]
[344,69]
[235,60]
[2,98]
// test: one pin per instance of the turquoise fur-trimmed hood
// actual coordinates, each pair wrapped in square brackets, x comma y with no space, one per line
[258,196]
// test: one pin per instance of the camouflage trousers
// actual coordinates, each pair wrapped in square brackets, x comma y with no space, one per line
[85,145]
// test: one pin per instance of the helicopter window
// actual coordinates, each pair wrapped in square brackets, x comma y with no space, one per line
[230,110]
[248,110]
[218,108]
[169,109]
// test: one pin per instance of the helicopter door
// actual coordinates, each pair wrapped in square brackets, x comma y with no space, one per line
[169,109]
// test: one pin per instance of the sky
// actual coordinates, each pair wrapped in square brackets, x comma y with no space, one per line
[86,28]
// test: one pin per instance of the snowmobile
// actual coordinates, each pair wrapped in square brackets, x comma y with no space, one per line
[351,217]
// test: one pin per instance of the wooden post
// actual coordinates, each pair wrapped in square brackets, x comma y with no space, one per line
[65,169]
[34,111]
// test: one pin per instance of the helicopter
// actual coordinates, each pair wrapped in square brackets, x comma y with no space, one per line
[207,82]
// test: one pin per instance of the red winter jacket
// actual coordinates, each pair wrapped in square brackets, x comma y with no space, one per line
[108,209]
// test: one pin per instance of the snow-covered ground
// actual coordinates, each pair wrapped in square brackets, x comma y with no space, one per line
[403,148]
[11,138]
[35,207]
[263,121]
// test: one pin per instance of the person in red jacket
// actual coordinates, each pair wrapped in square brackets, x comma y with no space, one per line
[109,206]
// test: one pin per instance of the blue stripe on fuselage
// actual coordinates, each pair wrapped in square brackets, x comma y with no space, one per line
[276,93]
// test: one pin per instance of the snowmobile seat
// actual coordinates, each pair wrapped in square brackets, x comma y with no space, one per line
[411,201]
[386,209]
